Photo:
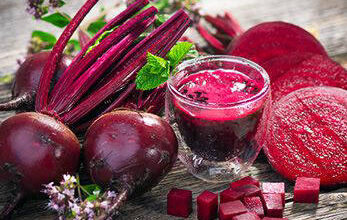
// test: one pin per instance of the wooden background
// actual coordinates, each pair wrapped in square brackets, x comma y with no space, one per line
[326,18]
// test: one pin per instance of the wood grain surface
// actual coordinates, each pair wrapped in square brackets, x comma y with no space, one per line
[327,19]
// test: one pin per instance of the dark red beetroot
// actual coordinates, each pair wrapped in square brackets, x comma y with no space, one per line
[273,205]
[179,202]
[273,39]
[277,188]
[306,190]
[35,149]
[245,181]
[278,66]
[231,209]
[315,71]
[229,195]
[248,190]
[27,79]
[247,216]
[207,205]
[254,204]
[129,151]
[307,135]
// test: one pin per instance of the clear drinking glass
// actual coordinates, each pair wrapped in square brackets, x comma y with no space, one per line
[217,140]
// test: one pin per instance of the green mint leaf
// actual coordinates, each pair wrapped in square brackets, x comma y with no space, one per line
[178,52]
[161,5]
[161,18]
[6,78]
[154,73]
[95,26]
[91,198]
[91,188]
[45,37]
[61,3]
[57,19]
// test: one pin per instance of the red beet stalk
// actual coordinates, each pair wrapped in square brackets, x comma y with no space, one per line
[83,38]
[66,78]
[211,40]
[55,56]
[137,26]
[57,102]
[127,68]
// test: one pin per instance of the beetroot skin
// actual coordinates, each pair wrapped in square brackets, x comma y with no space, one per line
[273,39]
[306,190]
[315,71]
[132,150]
[207,205]
[27,79]
[306,135]
[179,202]
[35,150]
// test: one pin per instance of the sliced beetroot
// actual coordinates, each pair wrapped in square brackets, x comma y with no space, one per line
[278,66]
[247,216]
[231,209]
[248,190]
[278,188]
[273,205]
[306,190]
[269,218]
[207,205]
[179,202]
[245,181]
[254,204]
[229,195]
[315,71]
[306,135]
[273,39]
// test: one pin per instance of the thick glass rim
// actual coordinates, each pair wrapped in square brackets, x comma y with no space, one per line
[222,58]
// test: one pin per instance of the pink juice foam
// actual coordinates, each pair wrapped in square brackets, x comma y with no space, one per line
[216,131]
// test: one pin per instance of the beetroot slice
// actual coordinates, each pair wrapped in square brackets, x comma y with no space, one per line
[306,135]
[272,39]
[315,71]
[278,66]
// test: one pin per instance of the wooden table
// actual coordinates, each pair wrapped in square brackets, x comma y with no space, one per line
[327,18]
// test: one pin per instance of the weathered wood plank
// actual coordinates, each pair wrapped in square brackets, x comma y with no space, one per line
[328,18]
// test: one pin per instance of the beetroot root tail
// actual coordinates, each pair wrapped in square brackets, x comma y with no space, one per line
[17,103]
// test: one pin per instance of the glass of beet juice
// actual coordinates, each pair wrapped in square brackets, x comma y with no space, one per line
[215,104]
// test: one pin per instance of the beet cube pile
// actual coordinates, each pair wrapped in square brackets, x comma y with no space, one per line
[246,199]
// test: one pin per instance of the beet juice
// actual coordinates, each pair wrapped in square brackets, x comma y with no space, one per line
[215,104]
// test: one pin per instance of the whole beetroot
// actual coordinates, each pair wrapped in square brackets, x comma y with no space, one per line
[129,151]
[27,79]
[35,149]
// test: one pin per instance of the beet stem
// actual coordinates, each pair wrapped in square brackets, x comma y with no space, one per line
[118,102]
[211,40]
[19,102]
[67,78]
[127,68]
[11,205]
[121,198]
[83,38]
[56,54]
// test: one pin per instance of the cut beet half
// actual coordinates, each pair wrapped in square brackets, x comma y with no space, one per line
[315,71]
[306,135]
[272,39]
[278,66]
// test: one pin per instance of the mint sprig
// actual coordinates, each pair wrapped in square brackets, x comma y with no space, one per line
[157,70]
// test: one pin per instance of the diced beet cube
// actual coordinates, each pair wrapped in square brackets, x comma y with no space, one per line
[249,190]
[247,216]
[273,205]
[229,195]
[306,190]
[179,202]
[245,181]
[277,188]
[230,209]
[207,205]
[254,204]
[269,218]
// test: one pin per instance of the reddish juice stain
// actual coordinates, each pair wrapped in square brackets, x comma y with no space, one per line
[213,133]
